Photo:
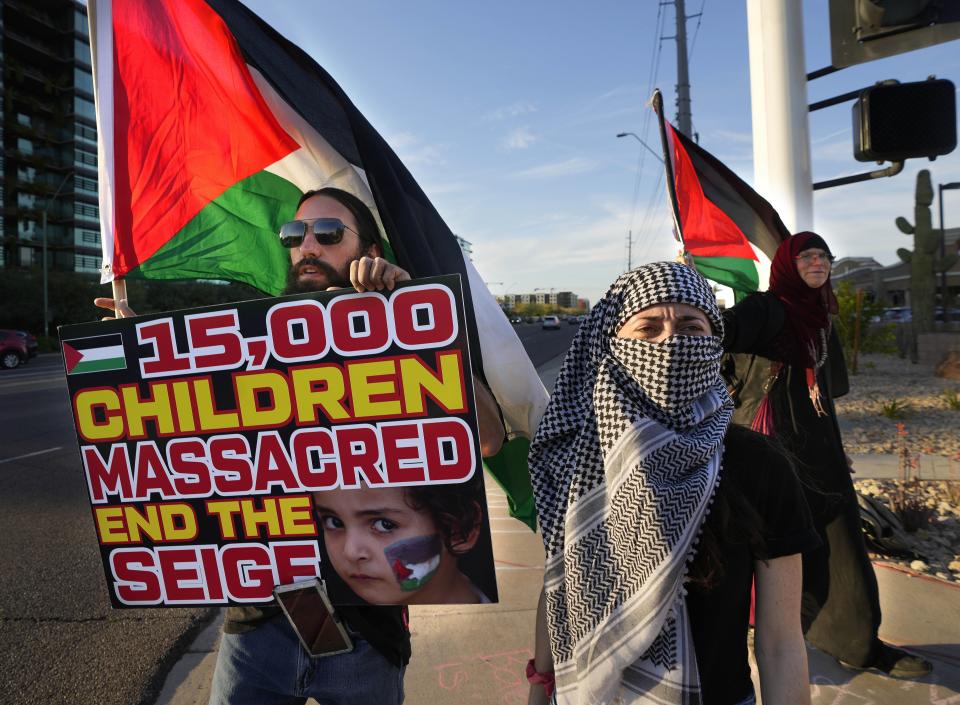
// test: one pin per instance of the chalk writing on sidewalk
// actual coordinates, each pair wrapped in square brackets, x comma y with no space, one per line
[503,673]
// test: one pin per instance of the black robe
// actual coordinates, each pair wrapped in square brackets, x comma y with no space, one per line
[841,604]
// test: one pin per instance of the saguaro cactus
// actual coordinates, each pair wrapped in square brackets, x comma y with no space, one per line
[921,259]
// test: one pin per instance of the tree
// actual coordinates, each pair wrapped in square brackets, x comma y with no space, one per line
[71,297]
[532,309]
[875,336]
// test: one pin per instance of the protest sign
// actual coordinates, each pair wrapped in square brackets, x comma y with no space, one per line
[230,449]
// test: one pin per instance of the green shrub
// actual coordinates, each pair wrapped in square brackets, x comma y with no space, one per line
[909,504]
[952,397]
[894,409]
[874,337]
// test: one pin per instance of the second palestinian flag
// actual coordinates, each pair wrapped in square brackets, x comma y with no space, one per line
[726,225]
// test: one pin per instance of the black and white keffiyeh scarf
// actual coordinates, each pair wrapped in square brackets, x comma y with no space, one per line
[624,465]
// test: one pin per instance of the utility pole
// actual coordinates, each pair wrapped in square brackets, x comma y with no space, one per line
[629,250]
[684,115]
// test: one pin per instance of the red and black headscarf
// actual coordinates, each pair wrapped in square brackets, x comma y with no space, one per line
[808,309]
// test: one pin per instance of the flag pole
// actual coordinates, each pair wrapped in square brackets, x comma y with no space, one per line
[657,102]
[119,294]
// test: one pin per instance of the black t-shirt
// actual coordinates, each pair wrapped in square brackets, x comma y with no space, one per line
[384,627]
[756,474]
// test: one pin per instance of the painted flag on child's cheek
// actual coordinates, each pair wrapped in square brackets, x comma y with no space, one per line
[211,126]
[415,560]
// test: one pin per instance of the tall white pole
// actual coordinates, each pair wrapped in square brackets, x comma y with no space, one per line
[778,92]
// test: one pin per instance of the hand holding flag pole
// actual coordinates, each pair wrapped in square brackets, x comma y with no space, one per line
[122,309]
[118,304]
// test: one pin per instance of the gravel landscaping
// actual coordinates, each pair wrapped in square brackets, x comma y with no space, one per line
[937,546]
[920,403]
[933,426]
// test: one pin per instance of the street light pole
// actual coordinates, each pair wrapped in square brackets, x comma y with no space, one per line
[46,306]
[647,146]
[659,159]
[944,292]
[43,220]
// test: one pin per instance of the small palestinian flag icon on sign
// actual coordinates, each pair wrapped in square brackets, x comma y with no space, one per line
[415,560]
[99,353]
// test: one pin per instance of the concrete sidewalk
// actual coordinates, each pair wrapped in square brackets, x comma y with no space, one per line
[873,466]
[476,654]
[464,653]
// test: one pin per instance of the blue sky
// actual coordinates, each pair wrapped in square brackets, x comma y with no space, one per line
[506,113]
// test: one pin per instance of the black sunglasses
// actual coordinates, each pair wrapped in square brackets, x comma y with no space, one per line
[327,231]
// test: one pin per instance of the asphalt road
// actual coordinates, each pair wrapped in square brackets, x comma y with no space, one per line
[60,641]
[544,345]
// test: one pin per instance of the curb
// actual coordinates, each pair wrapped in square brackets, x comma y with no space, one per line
[915,574]
[189,679]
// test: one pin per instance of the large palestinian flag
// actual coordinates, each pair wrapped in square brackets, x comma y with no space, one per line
[726,226]
[211,126]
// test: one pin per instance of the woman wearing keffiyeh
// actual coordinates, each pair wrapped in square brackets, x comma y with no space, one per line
[629,457]
[788,371]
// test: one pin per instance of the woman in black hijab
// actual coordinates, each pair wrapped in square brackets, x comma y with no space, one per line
[783,383]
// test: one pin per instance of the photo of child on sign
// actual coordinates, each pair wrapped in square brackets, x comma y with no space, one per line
[331,435]
[405,545]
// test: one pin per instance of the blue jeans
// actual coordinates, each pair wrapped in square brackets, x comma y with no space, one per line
[268,666]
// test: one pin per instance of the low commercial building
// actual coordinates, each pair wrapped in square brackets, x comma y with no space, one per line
[556,299]
[891,284]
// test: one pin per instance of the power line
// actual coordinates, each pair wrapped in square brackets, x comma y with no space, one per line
[657,48]
[684,116]
[693,43]
[696,30]
[645,238]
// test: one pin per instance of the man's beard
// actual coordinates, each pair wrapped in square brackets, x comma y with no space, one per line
[334,278]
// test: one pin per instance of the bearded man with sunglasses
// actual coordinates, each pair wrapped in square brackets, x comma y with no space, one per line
[334,243]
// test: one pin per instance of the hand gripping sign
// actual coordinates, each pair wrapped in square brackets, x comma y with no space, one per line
[231,449]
